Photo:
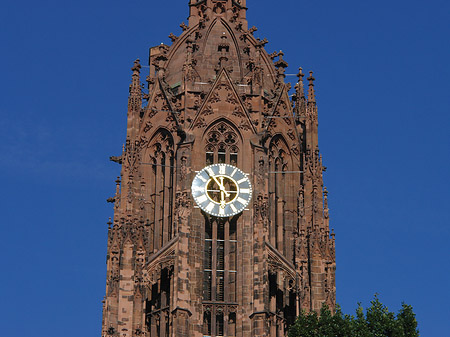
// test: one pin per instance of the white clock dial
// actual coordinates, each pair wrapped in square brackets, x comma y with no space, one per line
[221,190]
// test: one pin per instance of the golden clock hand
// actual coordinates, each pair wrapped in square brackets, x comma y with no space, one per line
[221,187]
[222,199]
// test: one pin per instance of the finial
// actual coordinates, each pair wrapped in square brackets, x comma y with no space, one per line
[281,63]
[273,55]
[311,79]
[300,74]
[136,67]
[252,30]
[173,37]
[261,43]
[183,26]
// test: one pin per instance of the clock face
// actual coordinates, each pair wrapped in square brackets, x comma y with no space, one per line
[221,190]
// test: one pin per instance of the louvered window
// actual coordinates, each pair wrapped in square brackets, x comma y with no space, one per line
[219,276]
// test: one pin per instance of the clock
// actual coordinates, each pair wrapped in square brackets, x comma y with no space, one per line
[221,190]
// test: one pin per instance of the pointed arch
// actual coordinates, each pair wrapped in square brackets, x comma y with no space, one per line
[222,143]
[158,187]
[279,151]
[280,161]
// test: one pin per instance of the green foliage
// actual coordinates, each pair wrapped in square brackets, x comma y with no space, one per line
[377,321]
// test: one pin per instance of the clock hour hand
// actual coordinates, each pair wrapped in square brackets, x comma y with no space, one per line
[222,199]
[222,188]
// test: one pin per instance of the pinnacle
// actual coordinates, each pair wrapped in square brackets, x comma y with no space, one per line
[311,93]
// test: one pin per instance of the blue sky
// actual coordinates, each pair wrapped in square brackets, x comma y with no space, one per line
[382,81]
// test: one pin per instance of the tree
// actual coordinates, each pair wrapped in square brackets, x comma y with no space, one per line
[377,321]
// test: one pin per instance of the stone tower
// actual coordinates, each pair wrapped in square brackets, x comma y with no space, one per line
[216,96]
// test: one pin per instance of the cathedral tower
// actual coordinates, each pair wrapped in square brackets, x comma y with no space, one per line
[220,221]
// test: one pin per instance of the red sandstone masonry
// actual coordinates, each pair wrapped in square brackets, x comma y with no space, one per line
[216,90]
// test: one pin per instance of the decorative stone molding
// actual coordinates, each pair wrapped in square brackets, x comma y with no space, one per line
[164,259]
[277,263]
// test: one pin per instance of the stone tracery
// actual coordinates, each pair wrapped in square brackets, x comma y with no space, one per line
[204,110]
[222,143]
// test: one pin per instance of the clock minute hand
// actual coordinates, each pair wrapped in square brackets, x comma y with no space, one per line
[222,188]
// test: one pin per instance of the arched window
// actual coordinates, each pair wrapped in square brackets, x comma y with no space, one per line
[222,144]
[158,177]
[278,165]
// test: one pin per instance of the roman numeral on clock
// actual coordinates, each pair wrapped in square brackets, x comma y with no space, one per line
[210,207]
[233,208]
[201,199]
[242,180]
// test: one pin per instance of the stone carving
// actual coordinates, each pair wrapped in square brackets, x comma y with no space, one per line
[244,126]
[291,134]
[183,167]
[313,164]
[261,207]
[288,275]
[295,150]
[219,8]
[208,110]
[231,98]
[148,127]
[152,112]
[215,97]
[173,37]
[224,135]
[238,112]
[183,205]
[132,156]
[183,26]
[200,123]
[165,261]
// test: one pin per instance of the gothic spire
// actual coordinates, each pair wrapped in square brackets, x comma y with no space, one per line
[300,99]
[300,88]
